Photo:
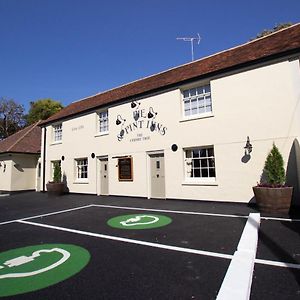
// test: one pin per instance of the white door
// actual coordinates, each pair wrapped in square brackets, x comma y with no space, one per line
[104,176]
[157,173]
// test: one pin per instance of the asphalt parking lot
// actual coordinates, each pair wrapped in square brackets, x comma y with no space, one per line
[186,256]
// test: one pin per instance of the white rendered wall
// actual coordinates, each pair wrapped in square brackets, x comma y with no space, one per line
[261,103]
[23,172]
[5,173]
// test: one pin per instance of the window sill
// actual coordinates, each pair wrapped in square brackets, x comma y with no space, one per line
[197,117]
[201,183]
[101,133]
[81,181]
[56,143]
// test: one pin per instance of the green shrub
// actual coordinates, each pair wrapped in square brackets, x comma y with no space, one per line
[56,172]
[274,168]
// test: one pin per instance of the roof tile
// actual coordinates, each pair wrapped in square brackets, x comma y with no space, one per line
[27,140]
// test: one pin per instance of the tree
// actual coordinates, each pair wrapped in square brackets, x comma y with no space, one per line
[42,109]
[274,168]
[11,117]
[57,172]
[275,28]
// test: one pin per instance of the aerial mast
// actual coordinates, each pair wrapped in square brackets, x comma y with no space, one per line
[191,40]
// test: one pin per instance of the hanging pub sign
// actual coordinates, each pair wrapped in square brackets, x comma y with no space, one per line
[142,119]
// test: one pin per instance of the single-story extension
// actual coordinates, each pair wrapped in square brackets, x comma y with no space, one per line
[20,168]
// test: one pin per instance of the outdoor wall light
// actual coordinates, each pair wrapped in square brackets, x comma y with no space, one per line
[248,147]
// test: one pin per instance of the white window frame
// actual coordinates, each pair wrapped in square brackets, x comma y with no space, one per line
[57,133]
[80,163]
[197,101]
[103,122]
[206,161]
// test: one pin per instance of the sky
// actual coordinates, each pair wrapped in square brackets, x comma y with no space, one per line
[67,50]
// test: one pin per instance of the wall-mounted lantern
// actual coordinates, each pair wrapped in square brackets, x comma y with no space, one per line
[248,147]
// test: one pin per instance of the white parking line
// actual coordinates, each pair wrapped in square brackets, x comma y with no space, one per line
[238,278]
[277,264]
[131,241]
[280,219]
[148,209]
[162,246]
[195,251]
[48,214]
[193,213]
[171,211]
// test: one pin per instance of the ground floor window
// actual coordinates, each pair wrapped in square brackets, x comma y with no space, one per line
[53,162]
[81,168]
[125,169]
[200,163]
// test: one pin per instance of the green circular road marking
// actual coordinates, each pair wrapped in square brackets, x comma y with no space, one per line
[32,268]
[139,221]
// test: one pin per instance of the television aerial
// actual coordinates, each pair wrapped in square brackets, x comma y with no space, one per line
[191,40]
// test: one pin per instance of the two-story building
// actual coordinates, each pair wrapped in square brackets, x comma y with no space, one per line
[185,133]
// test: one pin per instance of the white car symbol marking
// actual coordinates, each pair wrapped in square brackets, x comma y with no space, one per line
[21,260]
[136,220]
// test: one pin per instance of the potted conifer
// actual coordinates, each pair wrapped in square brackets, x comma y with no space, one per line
[56,187]
[272,195]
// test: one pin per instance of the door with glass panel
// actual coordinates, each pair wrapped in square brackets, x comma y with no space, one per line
[103,176]
[157,173]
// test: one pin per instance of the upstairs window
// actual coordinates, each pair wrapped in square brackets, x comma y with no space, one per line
[200,163]
[57,133]
[103,121]
[197,101]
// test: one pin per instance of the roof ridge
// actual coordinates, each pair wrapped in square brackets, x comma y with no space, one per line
[21,137]
[185,64]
